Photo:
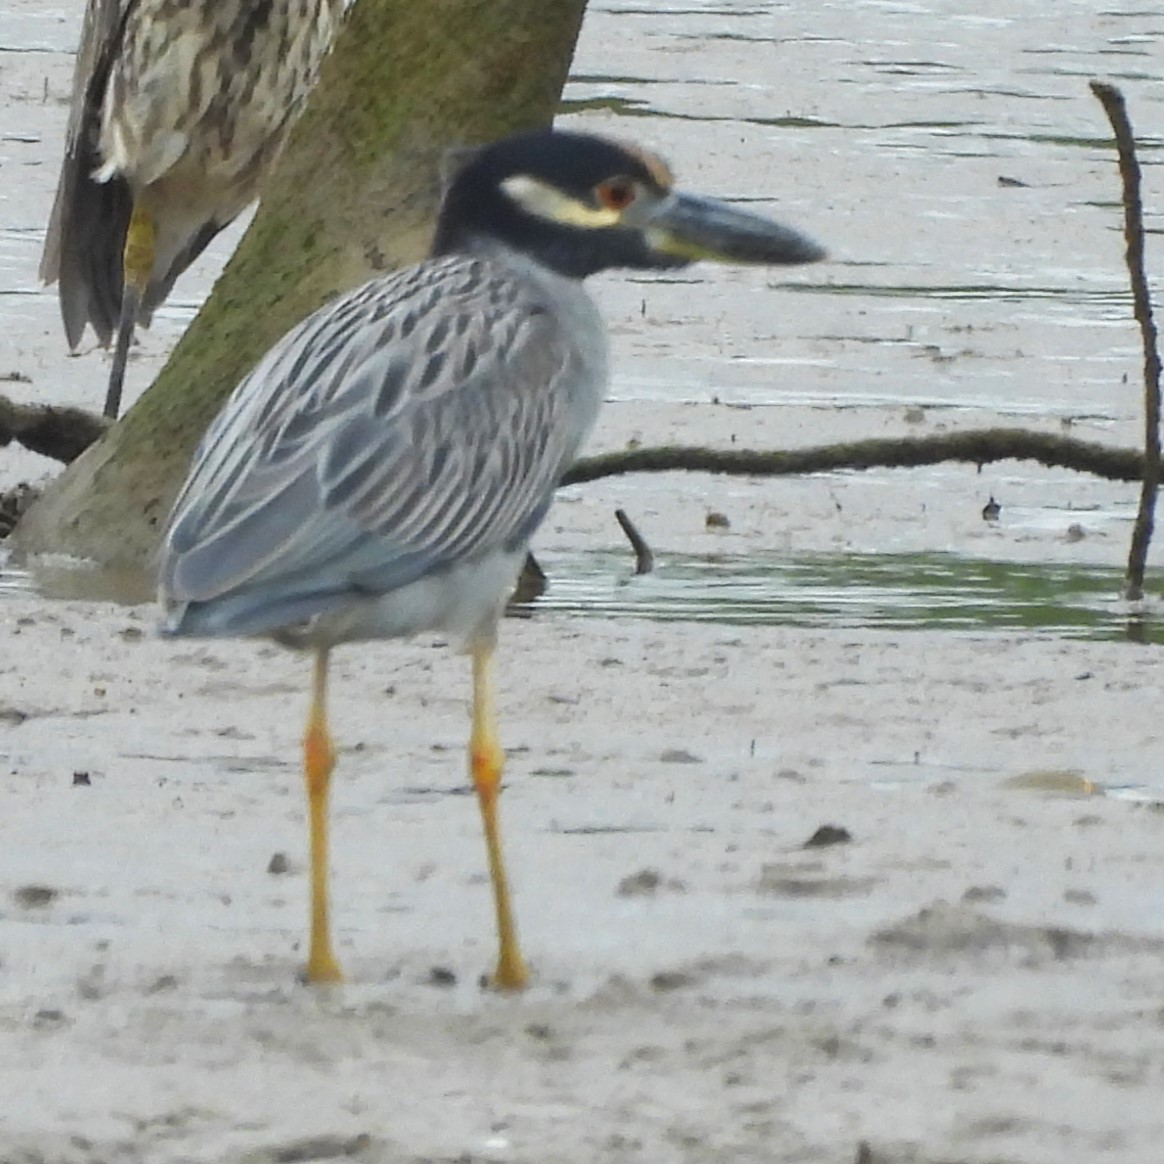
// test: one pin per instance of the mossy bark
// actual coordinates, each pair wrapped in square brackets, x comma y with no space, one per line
[354,194]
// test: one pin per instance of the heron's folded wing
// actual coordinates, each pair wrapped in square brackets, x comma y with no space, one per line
[372,450]
[87,223]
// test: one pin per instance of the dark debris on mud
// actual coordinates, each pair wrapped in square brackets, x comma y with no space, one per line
[14,503]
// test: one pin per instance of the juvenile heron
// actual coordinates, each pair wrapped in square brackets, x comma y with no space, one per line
[179,108]
[381,471]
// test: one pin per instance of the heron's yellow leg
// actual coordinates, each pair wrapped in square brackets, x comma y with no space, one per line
[318,762]
[138,257]
[137,264]
[485,763]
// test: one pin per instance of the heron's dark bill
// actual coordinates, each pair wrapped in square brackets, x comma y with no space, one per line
[692,229]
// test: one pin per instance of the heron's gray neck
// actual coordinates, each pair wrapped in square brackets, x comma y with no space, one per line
[566,297]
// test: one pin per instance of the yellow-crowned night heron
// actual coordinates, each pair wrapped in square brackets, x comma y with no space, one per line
[179,109]
[383,468]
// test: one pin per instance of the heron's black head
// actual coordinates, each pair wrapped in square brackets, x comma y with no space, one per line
[580,204]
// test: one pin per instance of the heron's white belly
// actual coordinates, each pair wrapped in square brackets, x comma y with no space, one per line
[464,602]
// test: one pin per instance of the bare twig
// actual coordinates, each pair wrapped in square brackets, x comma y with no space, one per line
[61,433]
[531,585]
[1113,104]
[644,559]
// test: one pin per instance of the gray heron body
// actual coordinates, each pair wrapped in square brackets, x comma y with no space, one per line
[381,471]
[179,109]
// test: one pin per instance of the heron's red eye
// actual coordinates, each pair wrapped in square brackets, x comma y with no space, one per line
[615,194]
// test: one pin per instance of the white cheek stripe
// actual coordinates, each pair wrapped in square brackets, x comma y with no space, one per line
[544,201]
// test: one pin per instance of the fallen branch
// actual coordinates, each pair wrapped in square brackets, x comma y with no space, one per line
[64,433]
[976,446]
[61,433]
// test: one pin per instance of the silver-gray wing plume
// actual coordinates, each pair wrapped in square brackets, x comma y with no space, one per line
[415,425]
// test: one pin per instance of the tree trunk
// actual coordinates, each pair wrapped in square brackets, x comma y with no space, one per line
[353,195]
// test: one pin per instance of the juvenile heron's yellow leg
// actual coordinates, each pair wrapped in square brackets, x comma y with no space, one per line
[138,256]
[318,762]
[137,264]
[485,763]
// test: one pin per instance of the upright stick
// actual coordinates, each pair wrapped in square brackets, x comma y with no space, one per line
[1112,101]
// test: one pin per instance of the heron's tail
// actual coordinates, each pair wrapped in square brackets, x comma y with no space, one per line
[84,246]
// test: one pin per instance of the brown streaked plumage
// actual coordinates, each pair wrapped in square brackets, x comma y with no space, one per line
[179,108]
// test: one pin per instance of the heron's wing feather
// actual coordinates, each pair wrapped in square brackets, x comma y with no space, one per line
[419,422]
[87,224]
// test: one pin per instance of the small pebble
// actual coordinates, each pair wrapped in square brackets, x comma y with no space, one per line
[35,896]
[679,756]
[984,893]
[642,883]
[828,835]
[670,980]
[442,976]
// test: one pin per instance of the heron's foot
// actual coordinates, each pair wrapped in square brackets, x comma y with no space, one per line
[322,969]
[511,974]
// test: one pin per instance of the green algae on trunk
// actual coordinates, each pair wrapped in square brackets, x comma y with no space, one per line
[405,83]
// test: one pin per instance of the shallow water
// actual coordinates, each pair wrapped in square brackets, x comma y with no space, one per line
[892,591]
[949,154]
[966,188]
[902,592]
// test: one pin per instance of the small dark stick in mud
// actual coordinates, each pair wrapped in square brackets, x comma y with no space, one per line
[644,559]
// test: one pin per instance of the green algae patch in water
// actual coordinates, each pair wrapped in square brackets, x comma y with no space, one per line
[931,591]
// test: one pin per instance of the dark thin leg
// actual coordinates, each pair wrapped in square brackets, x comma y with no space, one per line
[485,763]
[137,264]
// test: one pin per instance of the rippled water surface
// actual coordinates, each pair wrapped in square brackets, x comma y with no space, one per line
[896,591]
[949,154]
[891,591]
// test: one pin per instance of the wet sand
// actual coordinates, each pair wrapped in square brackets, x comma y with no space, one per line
[973,977]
